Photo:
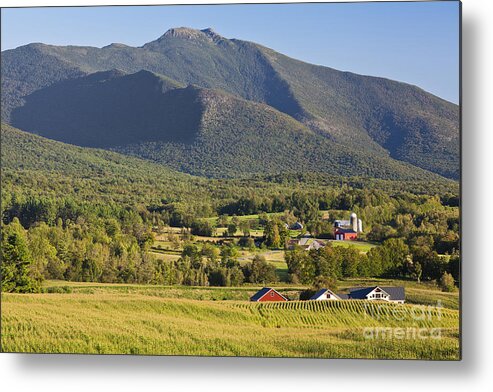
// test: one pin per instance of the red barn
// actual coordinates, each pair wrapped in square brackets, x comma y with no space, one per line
[344,234]
[267,294]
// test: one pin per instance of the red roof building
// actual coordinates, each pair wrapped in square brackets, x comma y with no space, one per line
[267,295]
[344,234]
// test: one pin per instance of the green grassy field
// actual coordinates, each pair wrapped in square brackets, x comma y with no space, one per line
[274,257]
[220,232]
[135,319]
[359,245]
[213,219]
[164,255]
[416,293]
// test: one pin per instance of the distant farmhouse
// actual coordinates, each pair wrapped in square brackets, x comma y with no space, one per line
[306,243]
[389,294]
[348,229]
[267,294]
[324,294]
[373,293]
[296,226]
[316,244]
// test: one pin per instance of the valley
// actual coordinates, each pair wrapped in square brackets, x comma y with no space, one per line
[150,193]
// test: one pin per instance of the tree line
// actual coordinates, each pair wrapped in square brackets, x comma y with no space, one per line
[393,259]
[80,236]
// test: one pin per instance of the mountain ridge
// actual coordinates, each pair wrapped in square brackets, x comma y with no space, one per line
[382,116]
[200,131]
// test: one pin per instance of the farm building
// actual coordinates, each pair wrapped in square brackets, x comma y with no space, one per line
[376,293]
[292,243]
[267,294]
[296,226]
[306,243]
[316,244]
[324,295]
[345,234]
[303,241]
[348,229]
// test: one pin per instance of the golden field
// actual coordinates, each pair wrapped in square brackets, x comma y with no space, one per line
[131,319]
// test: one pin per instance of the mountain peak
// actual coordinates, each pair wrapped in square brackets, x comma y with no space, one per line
[190,33]
[211,33]
[115,45]
[182,32]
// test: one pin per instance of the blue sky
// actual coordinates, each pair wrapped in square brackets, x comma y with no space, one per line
[414,42]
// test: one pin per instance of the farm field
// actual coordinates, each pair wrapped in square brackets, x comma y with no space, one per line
[164,250]
[138,319]
[362,246]
[243,217]
[416,293]
[220,232]
[164,255]
[274,257]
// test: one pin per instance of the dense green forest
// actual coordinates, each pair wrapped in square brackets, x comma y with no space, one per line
[91,215]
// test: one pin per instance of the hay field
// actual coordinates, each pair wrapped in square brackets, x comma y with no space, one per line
[104,319]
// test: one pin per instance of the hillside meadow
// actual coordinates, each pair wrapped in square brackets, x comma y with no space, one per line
[158,320]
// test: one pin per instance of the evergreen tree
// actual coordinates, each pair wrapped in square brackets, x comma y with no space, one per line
[447,282]
[272,236]
[16,270]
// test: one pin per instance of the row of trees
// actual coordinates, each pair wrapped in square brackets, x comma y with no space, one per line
[108,252]
[425,220]
[210,267]
[74,238]
[306,204]
[394,259]
[102,250]
[385,214]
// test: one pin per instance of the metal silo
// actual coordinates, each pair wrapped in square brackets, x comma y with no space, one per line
[353,219]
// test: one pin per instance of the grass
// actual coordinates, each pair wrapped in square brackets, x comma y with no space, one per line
[270,255]
[359,245]
[161,245]
[220,231]
[165,256]
[213,219]
[421,296]
[175,320]
[274,257]
[110,321]
[416,293]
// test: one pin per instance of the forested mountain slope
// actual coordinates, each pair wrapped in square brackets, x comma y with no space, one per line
[377,115]
[191,129]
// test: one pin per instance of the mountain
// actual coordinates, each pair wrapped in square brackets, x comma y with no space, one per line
[108,109]
[382,117]
[34,165]
[199,131]
[23,151]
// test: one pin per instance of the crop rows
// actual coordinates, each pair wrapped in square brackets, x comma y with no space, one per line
[320,314]
[141,324]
